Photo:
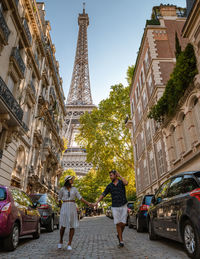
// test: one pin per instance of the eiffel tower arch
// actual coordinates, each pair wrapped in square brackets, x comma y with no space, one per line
[79,101]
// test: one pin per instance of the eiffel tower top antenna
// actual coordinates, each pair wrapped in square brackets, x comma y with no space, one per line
[84,7]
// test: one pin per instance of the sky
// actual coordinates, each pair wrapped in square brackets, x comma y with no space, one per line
[114,36]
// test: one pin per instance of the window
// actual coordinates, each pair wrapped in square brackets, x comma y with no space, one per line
[27,114]
[147,61]
[196,115]
[2,194]
[148,199]
[11,84]
[152,166]
[144,99]
[132,106]
[185,132]
[150,84]
[160,157]
[162,191]
[175,187]
[189,184]
[148,131]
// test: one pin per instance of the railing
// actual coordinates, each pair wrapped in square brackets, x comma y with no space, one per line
[10,101]
[16,55]
[75,150]
[27,30]
[4,27]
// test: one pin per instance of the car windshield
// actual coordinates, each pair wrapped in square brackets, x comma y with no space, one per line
[130,205]
[41,198]
[148,200]
[2,194]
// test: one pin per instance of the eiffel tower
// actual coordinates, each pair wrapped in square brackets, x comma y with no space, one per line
[79,101]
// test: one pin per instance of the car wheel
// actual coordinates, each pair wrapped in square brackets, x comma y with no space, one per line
[152,235]
[191,240]
[50,227]
[129,223]
[11,242]
[139,228]
[36,235]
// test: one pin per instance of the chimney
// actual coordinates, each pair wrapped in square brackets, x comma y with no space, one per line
[168,10]
[189,6]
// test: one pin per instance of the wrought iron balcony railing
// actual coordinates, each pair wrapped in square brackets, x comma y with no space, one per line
[19,61]
[10,101]
[4,27]
[28,34]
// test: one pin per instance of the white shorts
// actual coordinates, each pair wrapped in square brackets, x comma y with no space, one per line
[120,214]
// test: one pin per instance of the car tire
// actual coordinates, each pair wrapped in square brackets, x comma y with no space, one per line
[152,235]
[12,241]
[50,227]
[191,239]
[139,228]
[129,223]
[36,235]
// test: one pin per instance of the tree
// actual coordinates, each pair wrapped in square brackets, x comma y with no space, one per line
[107,140]
[129,74]
[65,173]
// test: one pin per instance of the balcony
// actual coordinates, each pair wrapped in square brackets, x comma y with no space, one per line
[8,104]
[27,31]
[18,62]
[4,30]
[75,149]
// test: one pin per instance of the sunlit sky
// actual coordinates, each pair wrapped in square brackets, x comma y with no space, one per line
[114,35]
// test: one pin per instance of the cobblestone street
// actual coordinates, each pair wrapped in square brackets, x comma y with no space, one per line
[96,238]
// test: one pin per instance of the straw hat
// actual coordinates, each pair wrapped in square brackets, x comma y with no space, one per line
[69,177]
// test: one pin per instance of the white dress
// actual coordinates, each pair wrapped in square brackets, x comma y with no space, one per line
[68,212]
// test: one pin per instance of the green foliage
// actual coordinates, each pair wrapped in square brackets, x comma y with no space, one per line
[152,22]
[129,74]
[107,140]
[181,77]
[65,173]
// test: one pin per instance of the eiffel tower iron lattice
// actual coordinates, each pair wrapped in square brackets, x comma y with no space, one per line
[79,101]
[80,92]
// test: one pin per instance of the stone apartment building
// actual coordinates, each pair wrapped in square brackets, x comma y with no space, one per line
[155,62]
[31,99]
[182,132]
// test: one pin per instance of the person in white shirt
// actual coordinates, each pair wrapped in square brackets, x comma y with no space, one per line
[68,213]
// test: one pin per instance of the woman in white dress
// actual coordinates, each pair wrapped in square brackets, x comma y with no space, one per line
[68,213]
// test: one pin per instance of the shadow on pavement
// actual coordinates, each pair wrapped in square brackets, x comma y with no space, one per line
[24,239]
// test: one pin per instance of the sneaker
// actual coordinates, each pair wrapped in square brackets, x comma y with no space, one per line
[121,245]
[69,248]
[59,246]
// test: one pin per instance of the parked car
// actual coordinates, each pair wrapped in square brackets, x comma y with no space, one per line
[137,217]
[18,217]
[130,205]
[175,211]
[109,212]
[48,209]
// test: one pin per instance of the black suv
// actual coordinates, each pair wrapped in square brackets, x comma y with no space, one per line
[137,217]
[48,209]
[175,211]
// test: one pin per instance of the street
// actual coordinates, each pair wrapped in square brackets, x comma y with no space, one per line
[96,238]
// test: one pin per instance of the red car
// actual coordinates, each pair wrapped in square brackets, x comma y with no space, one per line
[18,216]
